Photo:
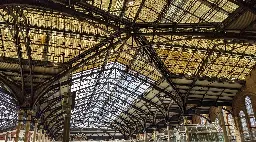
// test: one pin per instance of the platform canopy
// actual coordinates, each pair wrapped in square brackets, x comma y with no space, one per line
[129,65]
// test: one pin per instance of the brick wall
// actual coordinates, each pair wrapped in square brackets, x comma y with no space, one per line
[248,90]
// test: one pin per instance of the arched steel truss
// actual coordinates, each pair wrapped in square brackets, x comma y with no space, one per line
[146,46]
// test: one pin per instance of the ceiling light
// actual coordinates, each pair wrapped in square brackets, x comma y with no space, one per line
[130,2]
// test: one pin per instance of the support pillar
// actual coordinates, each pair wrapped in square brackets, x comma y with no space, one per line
[43,136]
[20,113]
[154,135]
[168,132]
[6,136]
[35,131]
[40,136]
[186,129]
[223,126]
[145,135]
[237,129]
[145,130]
[46,138]
[27,128]
[66,128]
[67,108]
[9,136]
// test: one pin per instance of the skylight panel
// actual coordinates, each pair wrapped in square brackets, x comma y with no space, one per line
[112,94]
[8,111]
[192,11]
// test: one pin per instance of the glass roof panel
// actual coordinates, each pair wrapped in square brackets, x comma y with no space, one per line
[181,11]
[53,36]
[8,113]
[194,11]
[112,93]
[217,58]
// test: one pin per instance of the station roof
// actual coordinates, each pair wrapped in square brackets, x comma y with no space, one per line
[125,59]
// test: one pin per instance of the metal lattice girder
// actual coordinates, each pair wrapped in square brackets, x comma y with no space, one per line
[219,59]
[12,86]
[114,91]
[46,34]
[79,60]
[77,11]
[217,48]
[205,34]
[132,120]
[164,10]
[91,86]
[88,90]
[89,133]
[154,86]
[176,26]
[182,22]
[131,105]
[148,49]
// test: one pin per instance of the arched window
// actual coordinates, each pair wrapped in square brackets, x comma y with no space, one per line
[231,126]
[250,112]
[244,125]
[217,125]
[203,121]
[229,123]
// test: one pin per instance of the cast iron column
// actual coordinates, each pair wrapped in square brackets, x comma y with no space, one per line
[66,128]
[237,129]
[222,123]
[145,136]
[35,131]
[27,128]
[21,113]
[6,136]
[186,128]
[67,108]
[168,132]
[40,134]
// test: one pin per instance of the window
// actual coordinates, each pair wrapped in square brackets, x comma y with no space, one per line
[229,123]
[8,115]
[231,126]
[203,121]
[244,126]
[250,112]
[217,125]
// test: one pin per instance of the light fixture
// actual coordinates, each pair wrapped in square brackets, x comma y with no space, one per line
[130,2]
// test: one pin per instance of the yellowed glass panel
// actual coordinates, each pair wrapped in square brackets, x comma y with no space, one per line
[131,12]
[218,17]
[148,15]
[117,5]
[156,5]
[194,8]
[230,7]
[190,19]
